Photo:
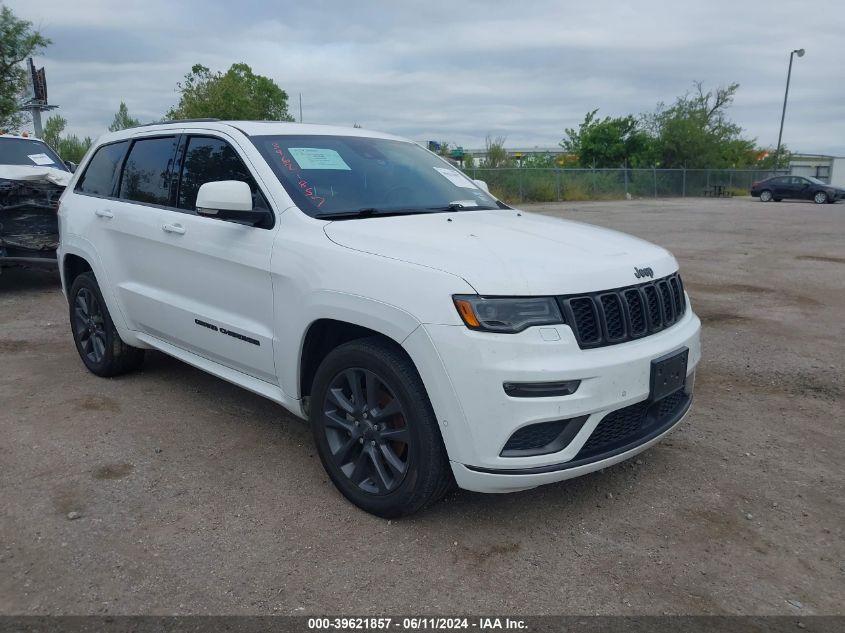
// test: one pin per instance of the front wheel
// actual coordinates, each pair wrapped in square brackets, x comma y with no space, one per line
[97,341]
[820,197]
[766,196]
[375,430]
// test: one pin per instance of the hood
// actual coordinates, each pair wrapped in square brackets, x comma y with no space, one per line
[508,252]
[35,173]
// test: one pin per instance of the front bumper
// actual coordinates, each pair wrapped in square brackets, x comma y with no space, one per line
[477,417]
[491,481]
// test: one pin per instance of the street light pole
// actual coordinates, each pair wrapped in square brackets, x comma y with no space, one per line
[800,53]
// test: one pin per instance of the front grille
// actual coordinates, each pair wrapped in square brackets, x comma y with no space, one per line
[667,407]
[616,316]
[625,426]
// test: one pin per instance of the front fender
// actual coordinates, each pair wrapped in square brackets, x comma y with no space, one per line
[389,320]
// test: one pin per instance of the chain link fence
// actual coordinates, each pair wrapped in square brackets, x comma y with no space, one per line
[554,185]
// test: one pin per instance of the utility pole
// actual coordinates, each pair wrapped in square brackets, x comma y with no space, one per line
[800,53]
[300,107]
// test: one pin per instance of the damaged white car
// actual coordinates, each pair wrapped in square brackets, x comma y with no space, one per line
[32,178]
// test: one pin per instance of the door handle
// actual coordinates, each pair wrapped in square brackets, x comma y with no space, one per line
[104,213]
[173,228]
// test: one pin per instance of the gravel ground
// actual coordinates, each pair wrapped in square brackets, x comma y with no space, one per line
[170,491]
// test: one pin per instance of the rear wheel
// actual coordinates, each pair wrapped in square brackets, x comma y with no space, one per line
[375,430]
[820,197]
[97,341]
[765,196]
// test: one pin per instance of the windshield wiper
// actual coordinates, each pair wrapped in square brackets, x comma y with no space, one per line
[452,206]
[457,206]
[367,212]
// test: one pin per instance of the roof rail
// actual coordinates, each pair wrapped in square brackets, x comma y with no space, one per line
[176,121]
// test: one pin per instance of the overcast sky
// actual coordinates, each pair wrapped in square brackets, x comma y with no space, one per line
[457,71]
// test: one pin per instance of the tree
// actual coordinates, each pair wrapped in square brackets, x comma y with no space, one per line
[608,142]
[539,161]
[122,120]
[765,158]
[70,148]
[497,155]
[695,131]
[53,129]
[18,41]
[236,94]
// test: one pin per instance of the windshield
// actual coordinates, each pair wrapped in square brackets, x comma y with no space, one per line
[815,181]
[21,151]
[328,175]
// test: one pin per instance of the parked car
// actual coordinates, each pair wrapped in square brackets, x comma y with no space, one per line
[32,178]
[430,333]
[780,188]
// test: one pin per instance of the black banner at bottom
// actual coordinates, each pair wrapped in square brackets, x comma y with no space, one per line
[481,624]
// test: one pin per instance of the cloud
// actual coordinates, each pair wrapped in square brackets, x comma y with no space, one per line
[456,71]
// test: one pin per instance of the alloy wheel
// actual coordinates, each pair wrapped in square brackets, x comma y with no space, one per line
[820,197]
[89,325]
[366,430]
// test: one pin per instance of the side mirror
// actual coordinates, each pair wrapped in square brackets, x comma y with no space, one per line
[482,185]
[228,200]
[71,166]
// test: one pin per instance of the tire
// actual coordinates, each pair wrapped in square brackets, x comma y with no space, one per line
[766,196]
[99,345]
[820,197]
[389,463]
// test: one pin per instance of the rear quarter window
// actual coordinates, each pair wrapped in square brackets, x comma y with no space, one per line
[100,174]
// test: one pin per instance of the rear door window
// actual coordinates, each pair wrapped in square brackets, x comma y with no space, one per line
[146,175]
[101,172]
[208,159]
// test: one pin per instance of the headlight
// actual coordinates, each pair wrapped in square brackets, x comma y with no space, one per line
[509,315]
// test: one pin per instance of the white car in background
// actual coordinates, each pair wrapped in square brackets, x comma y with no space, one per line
[32,178]
[430,333]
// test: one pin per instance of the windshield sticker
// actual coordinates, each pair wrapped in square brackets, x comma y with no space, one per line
[318,158]
[307,189]
[455,178]
[41,159]
[465,203]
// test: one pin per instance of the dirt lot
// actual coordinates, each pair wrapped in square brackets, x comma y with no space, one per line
[198,497]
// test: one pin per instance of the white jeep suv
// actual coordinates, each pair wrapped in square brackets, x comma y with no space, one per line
[430,333]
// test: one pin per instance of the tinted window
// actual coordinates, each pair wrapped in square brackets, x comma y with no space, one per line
[147,171]
[208,159]
[99,176]
[21,151]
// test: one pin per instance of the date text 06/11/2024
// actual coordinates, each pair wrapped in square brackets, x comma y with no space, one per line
[416,623]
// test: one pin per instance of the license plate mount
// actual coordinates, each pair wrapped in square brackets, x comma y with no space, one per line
[668,374]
